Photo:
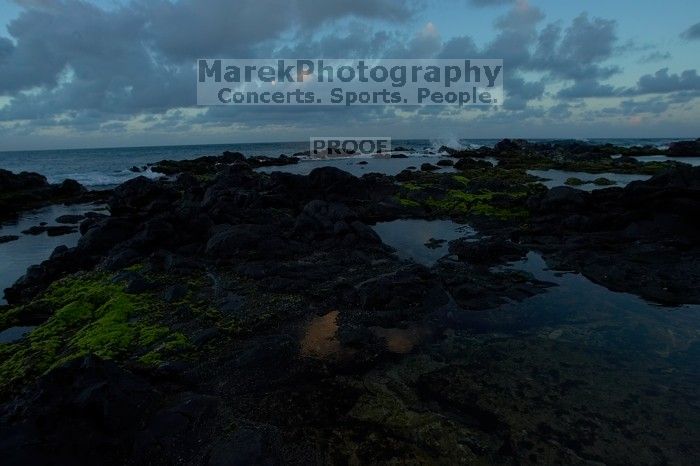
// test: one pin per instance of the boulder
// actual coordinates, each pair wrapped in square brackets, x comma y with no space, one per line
[467,163]
[105,234]
[70,188]
[21,181]
[563,197]
[8,238]
[70,219]
[230,240]
[140,196]
[685,148]
[428,167]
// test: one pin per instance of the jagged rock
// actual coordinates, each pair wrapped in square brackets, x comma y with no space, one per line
[428,167]
[8,238]
[685,148]
[140,195]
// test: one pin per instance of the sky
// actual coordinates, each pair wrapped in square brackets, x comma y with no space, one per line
[105,73]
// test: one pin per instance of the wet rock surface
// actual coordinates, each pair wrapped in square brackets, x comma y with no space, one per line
[26,190]
[638,239]
[227,316]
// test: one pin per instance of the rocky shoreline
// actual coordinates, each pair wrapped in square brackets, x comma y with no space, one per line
[20,192]
[174,332]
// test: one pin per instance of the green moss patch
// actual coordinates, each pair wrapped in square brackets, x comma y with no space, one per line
[461,204]
[92,316]
[573,181]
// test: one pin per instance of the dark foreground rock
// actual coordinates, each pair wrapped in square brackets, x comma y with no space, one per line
[227,316]
[102,403]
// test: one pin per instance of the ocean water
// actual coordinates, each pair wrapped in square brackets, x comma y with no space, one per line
[554,178]
[422,241]
[16,256]
[100,168]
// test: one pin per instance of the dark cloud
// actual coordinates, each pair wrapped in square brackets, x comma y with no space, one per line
[578,52]
[636,107]
[74,65]
[560,111]
[588,88]
[662,82]
[357,40]
[191,29]
[517,31]
[139,57]
[692,33]
[519,92]
[425,44]
[459,47]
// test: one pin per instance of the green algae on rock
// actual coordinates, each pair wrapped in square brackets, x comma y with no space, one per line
[92,315]
[493,193]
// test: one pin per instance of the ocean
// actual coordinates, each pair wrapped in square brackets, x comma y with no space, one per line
[107,167]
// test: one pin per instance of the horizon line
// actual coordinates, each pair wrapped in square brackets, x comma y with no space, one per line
[584,139]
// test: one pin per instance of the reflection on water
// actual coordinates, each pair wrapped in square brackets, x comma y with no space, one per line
[578,374]
[17,256]
[412,238]
[351,165]
[556,178]
[574,375]
[578,303]
[14,333]
[580,354]
[320,339]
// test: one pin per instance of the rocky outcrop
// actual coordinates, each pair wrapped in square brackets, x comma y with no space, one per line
[639,239]
[685,148]
[26,190]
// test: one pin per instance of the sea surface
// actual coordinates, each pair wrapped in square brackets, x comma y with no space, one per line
[16,256]
[103,168]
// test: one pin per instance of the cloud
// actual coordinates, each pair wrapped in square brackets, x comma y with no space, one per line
[635,107]
[191,29]
[560,111]
[136,59]
[487,3]
[459,47]
[588,88]
[577,53]
[519,92]
[70,56]
[426,43]
[517,31]
[692,33]
[655,57]
[73,65]
[662,82]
